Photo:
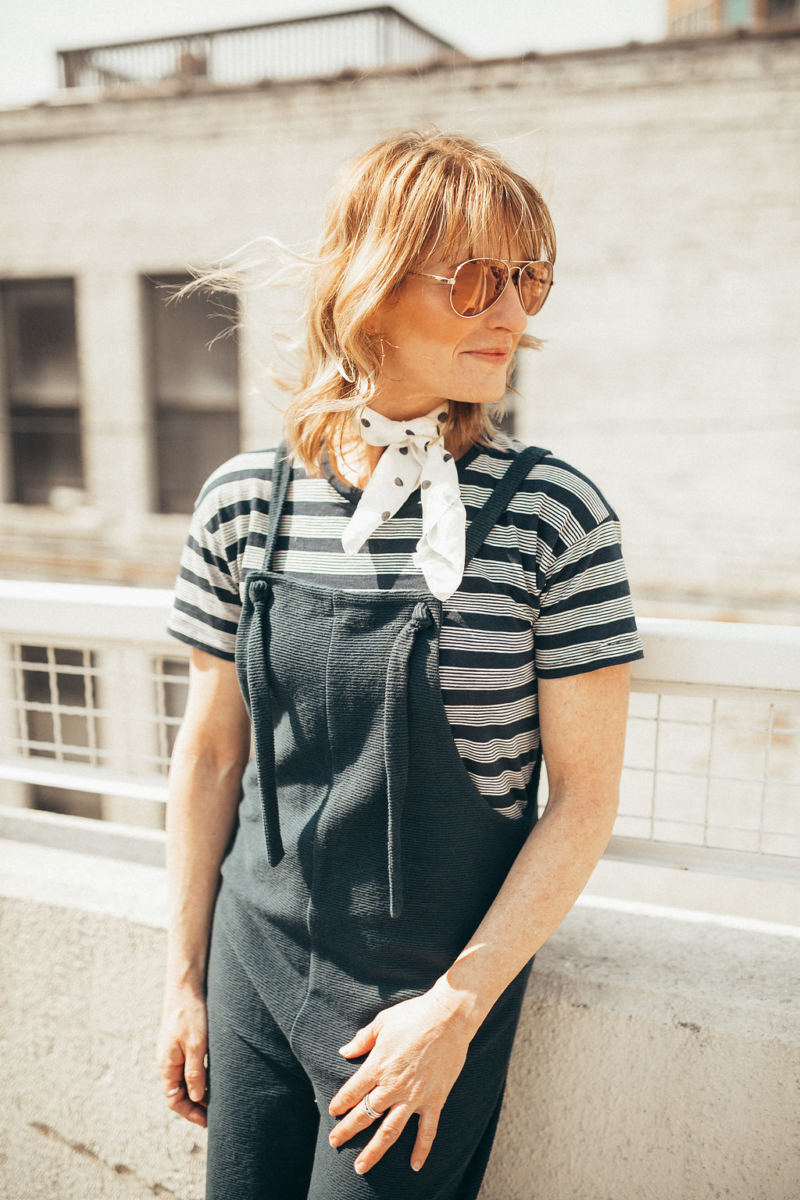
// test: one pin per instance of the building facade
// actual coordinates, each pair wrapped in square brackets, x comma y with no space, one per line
[687,17]
[669,373]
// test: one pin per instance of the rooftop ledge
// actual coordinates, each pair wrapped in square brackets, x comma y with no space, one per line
[657,1053]
[449,60]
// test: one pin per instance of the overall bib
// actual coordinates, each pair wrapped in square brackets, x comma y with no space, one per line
[363,861]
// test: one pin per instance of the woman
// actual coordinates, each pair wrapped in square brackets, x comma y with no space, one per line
[405,607]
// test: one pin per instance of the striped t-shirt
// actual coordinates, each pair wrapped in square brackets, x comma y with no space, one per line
[546,594]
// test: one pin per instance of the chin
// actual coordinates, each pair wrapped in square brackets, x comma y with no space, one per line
[483,397]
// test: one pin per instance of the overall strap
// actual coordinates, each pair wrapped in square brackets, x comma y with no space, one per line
[500,498]
[281,471]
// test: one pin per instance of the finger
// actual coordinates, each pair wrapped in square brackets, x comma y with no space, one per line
[363,1041]
[194,1071]
[196,1113]
[179,1102]
[357,1119]
[350,1094]
[428,1124]
[386,1135]
[172,1076]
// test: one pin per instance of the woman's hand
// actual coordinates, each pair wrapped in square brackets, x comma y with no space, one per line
[181,1053]
[415,1052]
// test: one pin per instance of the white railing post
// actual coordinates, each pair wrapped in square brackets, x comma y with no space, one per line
[13,793]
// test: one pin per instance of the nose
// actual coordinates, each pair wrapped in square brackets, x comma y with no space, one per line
[507,312]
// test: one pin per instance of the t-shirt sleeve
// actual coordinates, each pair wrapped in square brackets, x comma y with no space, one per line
[206,604]
[586,618]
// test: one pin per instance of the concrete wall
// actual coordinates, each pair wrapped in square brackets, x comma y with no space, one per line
[670,373]
[656,1058]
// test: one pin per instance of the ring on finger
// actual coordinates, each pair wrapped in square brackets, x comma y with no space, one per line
[368,1109]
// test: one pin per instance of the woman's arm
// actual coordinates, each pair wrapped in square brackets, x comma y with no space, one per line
[416,1049]
[582,720]
[210,754]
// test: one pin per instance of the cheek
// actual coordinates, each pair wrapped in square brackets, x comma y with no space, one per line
[440,333]
[425,328]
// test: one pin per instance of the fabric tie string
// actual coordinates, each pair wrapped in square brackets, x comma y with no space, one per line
[415,456]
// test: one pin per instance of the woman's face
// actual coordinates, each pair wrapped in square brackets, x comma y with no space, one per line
[433,355]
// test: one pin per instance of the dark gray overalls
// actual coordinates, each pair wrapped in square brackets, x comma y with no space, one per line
[382,858]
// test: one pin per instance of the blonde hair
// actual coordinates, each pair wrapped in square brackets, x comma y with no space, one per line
[392,207]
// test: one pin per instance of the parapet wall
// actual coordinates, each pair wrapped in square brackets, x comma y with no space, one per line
[656,1058]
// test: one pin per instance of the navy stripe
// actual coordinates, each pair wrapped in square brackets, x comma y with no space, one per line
[204,618]
[549,586]
[182,637]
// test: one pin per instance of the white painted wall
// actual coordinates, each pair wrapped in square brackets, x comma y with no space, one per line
[670,375]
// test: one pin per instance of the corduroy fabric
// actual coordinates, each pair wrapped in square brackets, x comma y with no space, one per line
[383,859]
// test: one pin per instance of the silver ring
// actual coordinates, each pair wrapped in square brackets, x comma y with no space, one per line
[368,1109]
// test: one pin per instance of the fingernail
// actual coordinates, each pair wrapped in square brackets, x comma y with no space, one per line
[343,1049]
[415,1166]
[174,1091]
[361,1167]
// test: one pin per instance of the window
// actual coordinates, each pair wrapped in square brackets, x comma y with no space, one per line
[59,719]
[194,389]
[42,388]
[783,10]
[738,12]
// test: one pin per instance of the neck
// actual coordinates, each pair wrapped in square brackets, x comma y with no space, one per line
[359,458]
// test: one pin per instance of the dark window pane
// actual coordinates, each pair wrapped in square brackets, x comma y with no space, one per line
[45,452]
[189,445]
[783,10]
[187,371]
[42,385]
[40,343]
[66,800]
[195,389]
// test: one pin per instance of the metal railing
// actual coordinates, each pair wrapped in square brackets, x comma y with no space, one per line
[302,47]
[92,692]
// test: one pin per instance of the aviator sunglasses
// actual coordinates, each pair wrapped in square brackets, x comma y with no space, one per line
[479,283]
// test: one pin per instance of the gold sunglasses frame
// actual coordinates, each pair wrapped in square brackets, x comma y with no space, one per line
[513,266]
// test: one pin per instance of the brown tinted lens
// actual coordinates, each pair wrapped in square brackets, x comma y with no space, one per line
[477,285]
[534,285]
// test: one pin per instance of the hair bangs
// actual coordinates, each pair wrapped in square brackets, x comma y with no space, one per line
[481,217]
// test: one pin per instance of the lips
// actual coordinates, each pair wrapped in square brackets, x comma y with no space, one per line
[497,356]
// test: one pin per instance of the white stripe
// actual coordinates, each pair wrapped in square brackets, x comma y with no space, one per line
[491,603]
[486,678]
[582,618]
[504,783]
[485,641]
[598,538]
[570,482]
[495,714]
[490,752]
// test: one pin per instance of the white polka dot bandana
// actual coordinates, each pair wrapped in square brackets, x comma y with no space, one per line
[414,456]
